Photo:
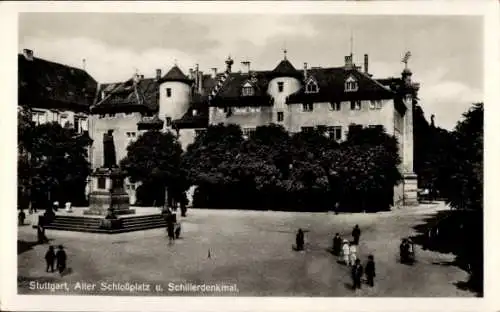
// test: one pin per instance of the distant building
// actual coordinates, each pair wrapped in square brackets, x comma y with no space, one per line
[55,92]
[299,100]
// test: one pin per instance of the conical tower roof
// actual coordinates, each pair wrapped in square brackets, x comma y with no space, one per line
[175,74]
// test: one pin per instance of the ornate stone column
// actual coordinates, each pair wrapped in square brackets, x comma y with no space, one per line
[410,184]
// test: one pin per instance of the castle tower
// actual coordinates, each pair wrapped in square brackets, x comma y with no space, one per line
[174,95]
[285,80]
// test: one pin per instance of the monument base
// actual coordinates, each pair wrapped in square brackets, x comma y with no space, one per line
[109,194]
[101,201]
[410,189]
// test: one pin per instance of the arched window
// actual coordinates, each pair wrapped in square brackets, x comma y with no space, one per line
[351,84]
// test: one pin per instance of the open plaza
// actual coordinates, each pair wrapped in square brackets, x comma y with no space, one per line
[248,252]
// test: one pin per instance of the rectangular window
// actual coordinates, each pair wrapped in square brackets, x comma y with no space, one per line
[198,132]
[247,91]
[307,107]
[355,105]
[247,132]
[376,104]
[335,132]
[335,106]
[307,129]
[168,121]
[169,92]
[280,116]
[101,183]
[77,125]
[280,86]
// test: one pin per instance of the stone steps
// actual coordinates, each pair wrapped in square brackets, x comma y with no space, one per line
[92,225]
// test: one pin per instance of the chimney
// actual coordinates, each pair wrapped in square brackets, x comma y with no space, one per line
[197,77]
[158,74]
[136,78]
[28,54]
[84,64]
[366,64]
[348,61]
[200,82]
[214,72]
[305,70]
[229,63]
[246,67]
[191,73]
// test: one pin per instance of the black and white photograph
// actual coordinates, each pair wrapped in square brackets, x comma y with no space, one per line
[249,154]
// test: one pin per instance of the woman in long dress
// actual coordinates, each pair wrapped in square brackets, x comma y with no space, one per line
[345,251]
[352,254]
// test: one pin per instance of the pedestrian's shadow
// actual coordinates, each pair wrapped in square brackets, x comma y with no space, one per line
[23,246]
[348,286]
[67,272]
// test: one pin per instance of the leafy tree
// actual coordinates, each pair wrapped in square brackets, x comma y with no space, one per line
[154,159]
[465,187]
[55,165]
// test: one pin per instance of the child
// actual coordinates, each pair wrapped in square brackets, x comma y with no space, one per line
[50,257]
[356,274]
[61,260]
[370,270]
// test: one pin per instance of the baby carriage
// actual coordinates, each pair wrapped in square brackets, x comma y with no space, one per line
[407,251]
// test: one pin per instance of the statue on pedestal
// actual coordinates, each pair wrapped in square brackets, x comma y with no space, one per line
[109,150]
[110,198]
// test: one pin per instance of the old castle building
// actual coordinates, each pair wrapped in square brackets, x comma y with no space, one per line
[299,100]
[55,92]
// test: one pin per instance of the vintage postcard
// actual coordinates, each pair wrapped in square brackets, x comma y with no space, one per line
[249,156]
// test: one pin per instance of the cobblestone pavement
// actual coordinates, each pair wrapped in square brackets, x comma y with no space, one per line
[252,249]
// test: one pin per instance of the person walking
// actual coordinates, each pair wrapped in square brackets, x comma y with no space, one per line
[337,244]
[299,240]
[61,259]
[353,256]
[345,251]
[356,274]
[50,257]
[370,270]
[356,233]
[21,217]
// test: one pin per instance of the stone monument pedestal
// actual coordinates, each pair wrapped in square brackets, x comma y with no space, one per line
[108,193]
[410,189]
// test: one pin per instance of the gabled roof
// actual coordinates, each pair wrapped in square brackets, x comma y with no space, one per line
[331,87]
[127,96]
[175,74]
[230,92]
[46,84]
[190,120]
[285,69]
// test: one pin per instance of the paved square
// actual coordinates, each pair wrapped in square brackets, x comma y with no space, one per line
[254,250]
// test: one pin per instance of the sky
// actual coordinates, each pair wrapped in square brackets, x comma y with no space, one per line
[447,51]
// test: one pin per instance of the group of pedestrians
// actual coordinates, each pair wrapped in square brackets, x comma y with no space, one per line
[348,254]
[55,258]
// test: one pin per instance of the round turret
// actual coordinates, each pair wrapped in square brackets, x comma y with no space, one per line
[175,95]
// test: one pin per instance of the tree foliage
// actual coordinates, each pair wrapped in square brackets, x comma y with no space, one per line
[154,159]
[52,162]
[305,171]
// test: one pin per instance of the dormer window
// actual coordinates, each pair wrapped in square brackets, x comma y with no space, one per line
[247,90]
[312,86]
[351,84]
